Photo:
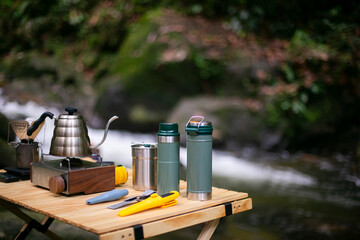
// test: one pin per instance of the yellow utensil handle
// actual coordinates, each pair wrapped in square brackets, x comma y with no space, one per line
[153,201]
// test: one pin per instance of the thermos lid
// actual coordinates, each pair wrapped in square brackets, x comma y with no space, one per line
[143,146]
[201,123]
[194,127]
[144,151]
[168,129]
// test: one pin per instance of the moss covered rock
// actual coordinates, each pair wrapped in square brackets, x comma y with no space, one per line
[237,122]
[165,57]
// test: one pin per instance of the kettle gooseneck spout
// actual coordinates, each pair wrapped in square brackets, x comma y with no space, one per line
[105,133]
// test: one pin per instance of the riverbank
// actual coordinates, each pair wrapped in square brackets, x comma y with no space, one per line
[296,196]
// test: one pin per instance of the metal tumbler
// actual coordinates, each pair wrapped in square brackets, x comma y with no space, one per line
[199,159]
[168,158]
[26,153]
[144,172]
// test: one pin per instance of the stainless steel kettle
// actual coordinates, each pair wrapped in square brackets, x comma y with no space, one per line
[70,138]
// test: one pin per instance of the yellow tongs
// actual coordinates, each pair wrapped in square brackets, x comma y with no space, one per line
[165,200]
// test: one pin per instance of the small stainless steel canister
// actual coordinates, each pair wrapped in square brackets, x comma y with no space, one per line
[144,166]
[26,153]
[199,159]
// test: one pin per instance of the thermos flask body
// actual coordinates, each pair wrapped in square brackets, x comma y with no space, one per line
[199,159]
[168,158]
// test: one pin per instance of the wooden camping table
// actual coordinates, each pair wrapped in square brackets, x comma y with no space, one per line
[106,224]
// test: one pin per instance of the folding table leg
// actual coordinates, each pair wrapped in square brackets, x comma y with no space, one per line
[25,230]
[41,227]
[209,229]
[30,222]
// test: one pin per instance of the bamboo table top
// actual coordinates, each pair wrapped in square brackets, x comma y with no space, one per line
[107,224]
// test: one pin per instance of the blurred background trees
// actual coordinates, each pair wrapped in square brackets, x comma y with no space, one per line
[292,66]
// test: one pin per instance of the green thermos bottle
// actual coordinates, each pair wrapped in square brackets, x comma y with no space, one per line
[199,158]
[168,158]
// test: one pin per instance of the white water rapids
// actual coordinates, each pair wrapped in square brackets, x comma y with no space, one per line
[117,148]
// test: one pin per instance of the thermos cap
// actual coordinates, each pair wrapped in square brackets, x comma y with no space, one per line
[168,129]
[144,151]
[143,146]
[198,127]
[197,123]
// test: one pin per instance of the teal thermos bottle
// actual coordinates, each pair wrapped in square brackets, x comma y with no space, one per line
[168,158]
[199,158]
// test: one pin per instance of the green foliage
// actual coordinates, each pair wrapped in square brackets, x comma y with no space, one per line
[277,17]
[302,43]
[315,88]
[148,66]
[325,97]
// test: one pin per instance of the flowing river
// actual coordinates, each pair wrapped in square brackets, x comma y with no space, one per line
[297,196]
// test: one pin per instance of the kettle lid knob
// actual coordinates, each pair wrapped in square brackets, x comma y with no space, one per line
[71,110]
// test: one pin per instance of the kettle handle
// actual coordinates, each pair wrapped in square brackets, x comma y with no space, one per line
[106,132]
[38,122]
